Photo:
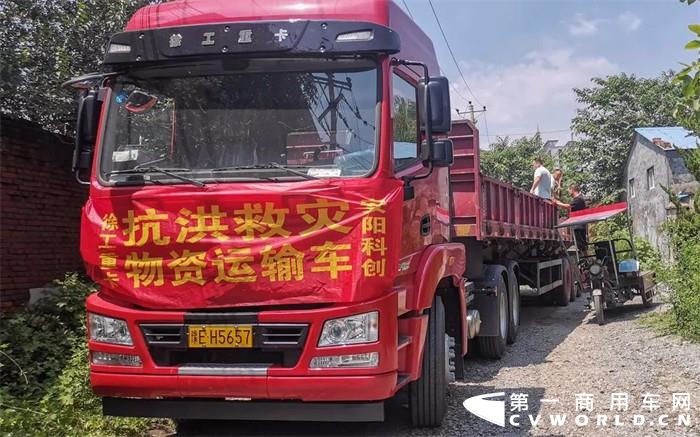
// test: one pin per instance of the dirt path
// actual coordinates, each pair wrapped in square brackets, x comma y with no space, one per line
[560,353]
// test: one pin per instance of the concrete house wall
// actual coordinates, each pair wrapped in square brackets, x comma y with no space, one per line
[648,206]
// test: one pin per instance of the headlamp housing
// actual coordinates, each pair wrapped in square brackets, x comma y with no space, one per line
[360,328]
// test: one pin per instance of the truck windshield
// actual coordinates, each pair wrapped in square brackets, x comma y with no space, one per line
[243,119]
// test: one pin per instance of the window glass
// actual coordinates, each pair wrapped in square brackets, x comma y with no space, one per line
[262,119]
[631,187]
[650,178]
[405,119]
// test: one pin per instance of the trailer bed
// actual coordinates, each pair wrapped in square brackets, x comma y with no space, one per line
[486,208]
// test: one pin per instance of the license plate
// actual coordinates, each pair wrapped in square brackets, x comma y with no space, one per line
[220,336]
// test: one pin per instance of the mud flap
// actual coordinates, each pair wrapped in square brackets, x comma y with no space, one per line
[486,299]
[487,305]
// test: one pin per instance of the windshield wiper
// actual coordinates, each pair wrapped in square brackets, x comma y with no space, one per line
[291,170]
[165,171]
[266,166]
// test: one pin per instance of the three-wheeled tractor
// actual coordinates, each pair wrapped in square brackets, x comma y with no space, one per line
[610,271]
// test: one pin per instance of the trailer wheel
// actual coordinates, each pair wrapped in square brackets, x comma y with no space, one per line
[562,294]
[513,307]
[495,346]
[598,307]
[428,394]
[573,288]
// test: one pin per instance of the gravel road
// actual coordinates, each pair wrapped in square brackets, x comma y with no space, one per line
[560,352]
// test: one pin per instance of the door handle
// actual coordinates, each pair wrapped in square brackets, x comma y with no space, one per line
[425,225]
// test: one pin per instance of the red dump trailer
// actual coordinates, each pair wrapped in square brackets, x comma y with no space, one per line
[279,226]
[486,208]
[506,231]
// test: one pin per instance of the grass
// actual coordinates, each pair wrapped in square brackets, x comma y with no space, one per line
[664,323]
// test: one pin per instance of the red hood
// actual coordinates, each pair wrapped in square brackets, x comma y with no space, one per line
[181,247]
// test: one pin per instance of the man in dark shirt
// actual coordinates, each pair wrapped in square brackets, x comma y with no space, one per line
[577,204]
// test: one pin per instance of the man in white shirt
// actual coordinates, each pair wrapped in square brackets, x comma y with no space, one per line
[542,185]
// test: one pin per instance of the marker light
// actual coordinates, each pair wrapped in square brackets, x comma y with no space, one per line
[109,330]
[119,48]
[370,359]
[360,328]
[107,359]
[362,35]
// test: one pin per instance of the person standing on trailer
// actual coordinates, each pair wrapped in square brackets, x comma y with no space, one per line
[542,185]
[557,181]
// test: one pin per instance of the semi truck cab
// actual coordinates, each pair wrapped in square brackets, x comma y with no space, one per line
[284,223]
[269,213]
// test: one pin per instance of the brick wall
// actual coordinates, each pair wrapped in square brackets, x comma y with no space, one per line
[40,204]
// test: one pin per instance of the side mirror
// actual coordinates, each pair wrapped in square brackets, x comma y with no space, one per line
[86,133]
[439,94]
[442,153]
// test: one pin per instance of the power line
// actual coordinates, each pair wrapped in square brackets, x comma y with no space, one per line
[486,125]
[407,9]
[454,58]
[454,88]
[532,133]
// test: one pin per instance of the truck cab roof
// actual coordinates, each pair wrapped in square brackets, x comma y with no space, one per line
[415,44]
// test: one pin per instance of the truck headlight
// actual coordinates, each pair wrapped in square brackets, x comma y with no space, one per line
[108,330]
[360,328]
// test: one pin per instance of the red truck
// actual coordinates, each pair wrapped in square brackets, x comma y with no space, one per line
[284,222]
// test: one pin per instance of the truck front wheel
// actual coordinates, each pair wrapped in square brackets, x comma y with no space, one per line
[495,346]
[428,394]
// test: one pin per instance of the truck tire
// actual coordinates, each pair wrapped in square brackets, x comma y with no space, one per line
[513,306]
[495,346]
[598,307]
[428,394]
[562,294]
[573,287]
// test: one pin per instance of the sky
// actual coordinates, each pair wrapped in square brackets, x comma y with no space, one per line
[522,58]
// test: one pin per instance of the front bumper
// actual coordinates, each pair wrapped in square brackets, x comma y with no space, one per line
[212,409]
[289,381]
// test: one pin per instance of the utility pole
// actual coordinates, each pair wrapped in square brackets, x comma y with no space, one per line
[471,112]
[334,112]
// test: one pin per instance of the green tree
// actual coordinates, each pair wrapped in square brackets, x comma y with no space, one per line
[683,230]
[405,126]
[44,43]
[605,121]
[688,109]
[511,161]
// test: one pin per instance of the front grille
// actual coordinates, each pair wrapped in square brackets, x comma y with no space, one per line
[164,334]
[273,344]
[282,335]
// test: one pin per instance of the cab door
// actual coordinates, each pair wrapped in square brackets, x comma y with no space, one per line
[426,217]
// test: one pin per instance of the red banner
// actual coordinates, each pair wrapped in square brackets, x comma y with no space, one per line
[245,244]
